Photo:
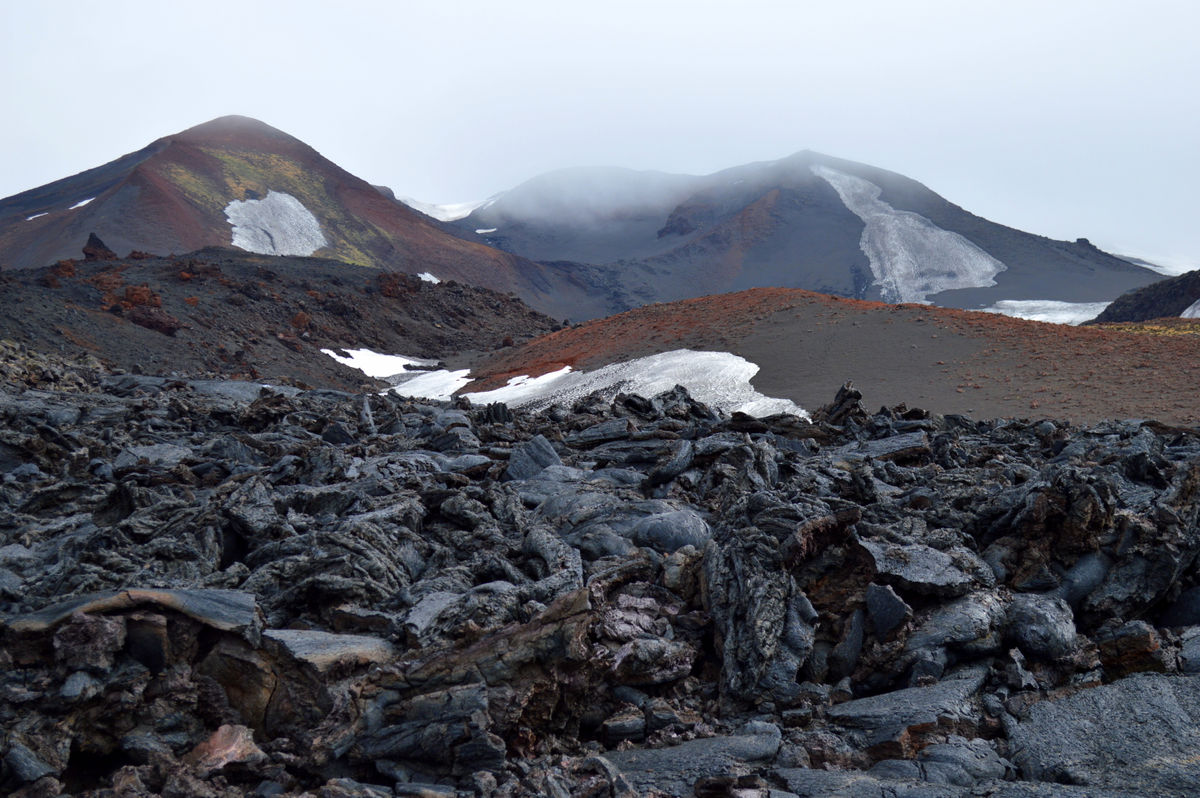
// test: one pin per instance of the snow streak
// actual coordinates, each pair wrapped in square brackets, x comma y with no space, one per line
[910,256]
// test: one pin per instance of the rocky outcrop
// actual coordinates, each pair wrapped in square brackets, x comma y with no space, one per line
[215,588]
[1167,298]
[95,249]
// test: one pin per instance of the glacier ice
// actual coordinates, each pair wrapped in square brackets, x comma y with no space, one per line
[910,256]
[278,224]
[1048,310]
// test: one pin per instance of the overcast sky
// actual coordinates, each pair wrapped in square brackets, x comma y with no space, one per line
[1059,117]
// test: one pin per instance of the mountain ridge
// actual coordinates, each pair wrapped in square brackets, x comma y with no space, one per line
[778,223]
[176,195]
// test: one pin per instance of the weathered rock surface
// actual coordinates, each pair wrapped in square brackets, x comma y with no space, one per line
[212,588]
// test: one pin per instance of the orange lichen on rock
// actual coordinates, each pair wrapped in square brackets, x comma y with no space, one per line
[141,296]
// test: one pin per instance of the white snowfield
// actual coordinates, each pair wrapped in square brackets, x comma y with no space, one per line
[36,216]
[1192,311]
[485,230]
[429,278]
[278,224]
[719,379]
[1048,310]
[910,256]
[439,384]
[450,212]
[81,203]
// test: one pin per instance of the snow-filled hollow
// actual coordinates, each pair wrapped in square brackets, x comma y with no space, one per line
[1049,310]
[278,224]
[910,256]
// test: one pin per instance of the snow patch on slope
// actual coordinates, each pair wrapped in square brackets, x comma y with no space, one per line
[429,278]
[1192,311]
[910,256]
[81,203]
[373,364]
[438,384]
[1048,310]
[450,212]
[279,224]
[36,216]
[719,379]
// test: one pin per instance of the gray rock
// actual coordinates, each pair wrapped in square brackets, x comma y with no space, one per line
[227,610]
[962,762]
[1189,653]
[896,447]
[845,654]
[674,770]
[1136,734]
[160,455]
[615,429]
[842,784]
[79,684]
[528,459]
[886,718]
[886,610]
[669,532]
[325,650]
[1084,576]
[447,727]
[927,570]
[1042,626]
[970,624]
[10,584]
[25,765]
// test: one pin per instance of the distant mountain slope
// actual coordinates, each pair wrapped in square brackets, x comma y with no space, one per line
[807,221]
[220,311]
[940,359]
[238,181]
[1175,296]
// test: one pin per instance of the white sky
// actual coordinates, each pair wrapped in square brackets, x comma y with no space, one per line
[1061,117]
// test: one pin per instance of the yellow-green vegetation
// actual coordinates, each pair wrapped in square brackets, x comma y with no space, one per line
[242,172]
[1162,327]
[200,190]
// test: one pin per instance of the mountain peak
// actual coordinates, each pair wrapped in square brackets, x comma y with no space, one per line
[238,131]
